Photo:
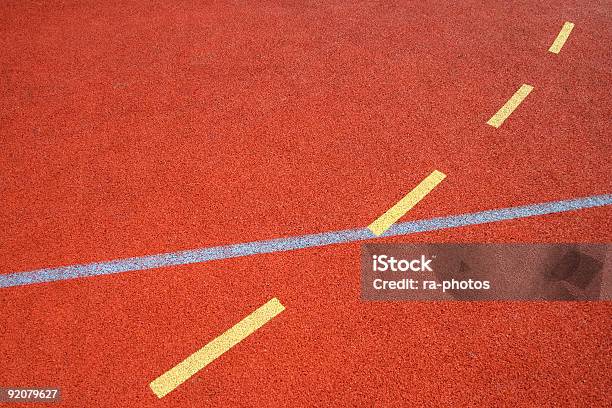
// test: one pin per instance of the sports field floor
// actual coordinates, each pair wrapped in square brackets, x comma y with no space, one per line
[136,128]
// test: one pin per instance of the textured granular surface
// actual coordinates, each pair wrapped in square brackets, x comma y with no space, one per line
[140,127]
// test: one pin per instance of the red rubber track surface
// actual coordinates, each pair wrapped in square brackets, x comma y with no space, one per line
[139,127]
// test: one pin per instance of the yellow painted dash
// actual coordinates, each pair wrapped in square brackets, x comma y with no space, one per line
[396,212]
[562,37]
[174,377]
[509,107]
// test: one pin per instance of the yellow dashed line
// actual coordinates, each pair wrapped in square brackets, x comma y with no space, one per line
[509,107]
[207,354]
[562,37]
[385,221]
